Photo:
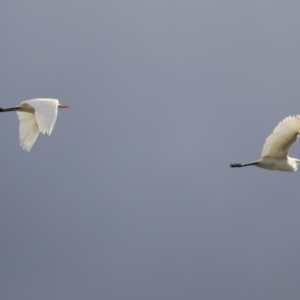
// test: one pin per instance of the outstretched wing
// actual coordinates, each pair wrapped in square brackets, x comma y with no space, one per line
[278,144]
[29,129]
[45,113]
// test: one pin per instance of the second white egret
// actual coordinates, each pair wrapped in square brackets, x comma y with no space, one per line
[36,115]
[277,146]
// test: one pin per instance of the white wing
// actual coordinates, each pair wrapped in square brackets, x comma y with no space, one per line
[45,111]
[29,129]
[278,144]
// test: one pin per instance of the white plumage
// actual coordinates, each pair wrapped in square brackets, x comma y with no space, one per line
[277,146]
[36,115]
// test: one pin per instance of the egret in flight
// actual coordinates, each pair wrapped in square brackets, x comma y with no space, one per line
[277,146]
[36,115]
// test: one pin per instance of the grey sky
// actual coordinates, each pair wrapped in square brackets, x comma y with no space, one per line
[132,196]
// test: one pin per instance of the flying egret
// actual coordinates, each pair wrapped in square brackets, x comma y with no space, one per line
[36,115]
[277,146]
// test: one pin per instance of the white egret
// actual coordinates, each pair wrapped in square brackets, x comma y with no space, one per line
[277,146]
[36,115]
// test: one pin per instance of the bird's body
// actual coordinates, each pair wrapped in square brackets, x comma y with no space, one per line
[36,115]
[277,146]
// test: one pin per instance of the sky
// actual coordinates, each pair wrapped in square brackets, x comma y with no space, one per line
[132,196]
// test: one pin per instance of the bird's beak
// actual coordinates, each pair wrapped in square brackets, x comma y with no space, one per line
[63,106]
